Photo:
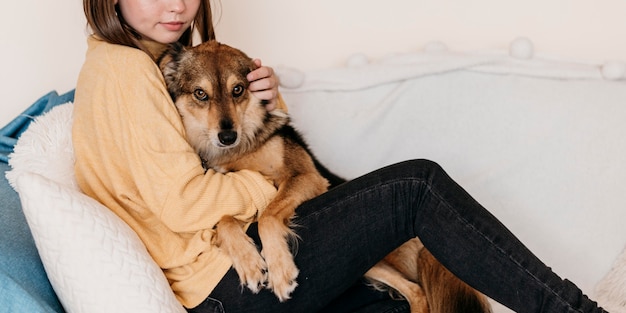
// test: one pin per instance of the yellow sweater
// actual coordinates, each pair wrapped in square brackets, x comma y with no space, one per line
[132,156]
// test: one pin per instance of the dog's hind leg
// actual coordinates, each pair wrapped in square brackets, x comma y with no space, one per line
[386,274]
[247,261]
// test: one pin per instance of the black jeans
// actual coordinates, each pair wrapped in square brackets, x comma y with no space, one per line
[348,229]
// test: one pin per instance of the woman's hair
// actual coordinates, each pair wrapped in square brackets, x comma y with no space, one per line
[105,20]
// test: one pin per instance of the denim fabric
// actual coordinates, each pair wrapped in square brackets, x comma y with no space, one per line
[348,229]
[24,286]
[210,305]
[361,298]
[12,131]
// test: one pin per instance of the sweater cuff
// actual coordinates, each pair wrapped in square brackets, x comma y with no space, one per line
[261,189]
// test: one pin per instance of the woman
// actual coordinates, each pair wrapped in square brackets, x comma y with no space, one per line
[131,155]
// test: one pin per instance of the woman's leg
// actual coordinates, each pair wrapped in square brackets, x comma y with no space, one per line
[348,229]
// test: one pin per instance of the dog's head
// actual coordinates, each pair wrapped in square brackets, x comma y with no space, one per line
[209,87]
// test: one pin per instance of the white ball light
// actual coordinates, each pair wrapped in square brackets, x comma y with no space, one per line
[614,70]
[435,46]
[357,59]
[289,77]
[522,48]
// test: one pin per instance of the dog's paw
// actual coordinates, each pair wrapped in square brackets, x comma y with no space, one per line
[220,169]
[281,277]
[254,279]
[251,268]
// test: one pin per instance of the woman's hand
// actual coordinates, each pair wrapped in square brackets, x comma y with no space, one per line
[264,84]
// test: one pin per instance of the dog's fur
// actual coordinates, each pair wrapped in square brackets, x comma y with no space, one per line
[232,130]
[414,273]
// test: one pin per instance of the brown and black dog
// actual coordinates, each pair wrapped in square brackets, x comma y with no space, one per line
[231,130]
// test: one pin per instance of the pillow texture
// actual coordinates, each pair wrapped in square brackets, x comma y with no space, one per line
[611,290]
[12,131]
[94,261]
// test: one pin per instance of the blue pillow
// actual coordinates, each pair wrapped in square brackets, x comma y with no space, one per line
[24,285]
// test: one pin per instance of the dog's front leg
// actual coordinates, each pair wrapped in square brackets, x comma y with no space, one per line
[281,269]
[276,234]
[247,261]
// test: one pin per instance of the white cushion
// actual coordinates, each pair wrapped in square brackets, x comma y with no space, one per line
[95,262]
[611,290]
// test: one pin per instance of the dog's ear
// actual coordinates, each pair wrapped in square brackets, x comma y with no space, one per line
[169,62]
[171,56]
[252,66]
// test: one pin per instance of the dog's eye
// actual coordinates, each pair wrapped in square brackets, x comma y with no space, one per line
[238,91]
[200,95]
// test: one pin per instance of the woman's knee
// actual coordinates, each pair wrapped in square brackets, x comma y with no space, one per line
[422,168]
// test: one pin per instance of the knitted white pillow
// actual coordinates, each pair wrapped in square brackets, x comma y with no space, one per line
[611,290]
[94,261]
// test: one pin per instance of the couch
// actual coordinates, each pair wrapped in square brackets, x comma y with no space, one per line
[537,140]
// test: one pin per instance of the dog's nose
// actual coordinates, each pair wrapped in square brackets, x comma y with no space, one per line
[227,137]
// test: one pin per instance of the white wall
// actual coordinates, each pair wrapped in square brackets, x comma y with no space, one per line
[43,42]
[319,33]
[42,49]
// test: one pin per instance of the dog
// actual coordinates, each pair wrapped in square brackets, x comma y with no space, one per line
[231,130]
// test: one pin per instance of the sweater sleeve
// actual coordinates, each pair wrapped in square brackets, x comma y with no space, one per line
[139,155]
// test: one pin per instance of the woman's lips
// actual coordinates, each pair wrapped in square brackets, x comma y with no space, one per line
[173,26]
